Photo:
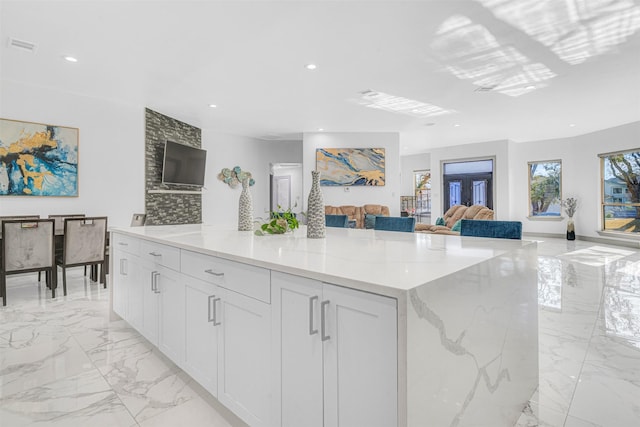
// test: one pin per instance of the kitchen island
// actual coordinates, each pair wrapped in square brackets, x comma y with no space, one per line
[363,328]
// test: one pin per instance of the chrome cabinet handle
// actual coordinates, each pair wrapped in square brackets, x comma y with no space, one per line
[210,271]
[311,305]
[123,244]
[209,317]
[123,262]
[215,312]
[323,320]
[154,281]
[154,254]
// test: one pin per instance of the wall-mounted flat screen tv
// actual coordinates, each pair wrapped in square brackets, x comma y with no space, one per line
[183,165]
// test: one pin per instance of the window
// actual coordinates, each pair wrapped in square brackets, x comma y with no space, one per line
[468,183]
[423,193]
[544,189]
[620,174]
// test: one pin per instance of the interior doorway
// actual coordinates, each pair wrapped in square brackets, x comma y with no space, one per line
[468,183]
[285,187]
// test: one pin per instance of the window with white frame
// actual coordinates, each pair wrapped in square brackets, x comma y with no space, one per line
[545,195]
[620,175]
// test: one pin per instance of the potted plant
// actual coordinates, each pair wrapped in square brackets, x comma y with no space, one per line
[279,222]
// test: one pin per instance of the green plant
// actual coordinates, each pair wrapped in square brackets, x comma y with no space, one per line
[279,223]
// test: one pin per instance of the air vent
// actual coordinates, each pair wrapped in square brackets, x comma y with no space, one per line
[22,45]
[485,88]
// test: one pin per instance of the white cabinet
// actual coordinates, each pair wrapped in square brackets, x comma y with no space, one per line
[125,269]
[244,357]
[336,355]
[171,314]
[228,322]
[201,333]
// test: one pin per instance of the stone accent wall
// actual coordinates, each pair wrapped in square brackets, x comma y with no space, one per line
[168,208]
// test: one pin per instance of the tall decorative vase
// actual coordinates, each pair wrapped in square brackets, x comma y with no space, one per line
[245,208]
[315,209]
[571,231]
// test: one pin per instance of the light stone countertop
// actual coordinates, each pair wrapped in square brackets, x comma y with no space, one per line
[382,262]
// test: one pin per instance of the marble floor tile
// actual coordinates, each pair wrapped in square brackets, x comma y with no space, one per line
[84,399]
[149,384]
[63,362]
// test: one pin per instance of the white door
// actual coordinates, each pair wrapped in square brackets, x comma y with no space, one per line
[201,335]
[360,358]
[170,288]
[149,289]
[244,356]
[297,372]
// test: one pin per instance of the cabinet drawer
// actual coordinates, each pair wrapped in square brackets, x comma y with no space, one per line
[254,282]
[167,256]
[125,243]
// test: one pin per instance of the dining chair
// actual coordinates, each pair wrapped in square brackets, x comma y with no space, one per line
[395,223]
[59,221]
[495,229]
[28,245]
[6,218]
[85,242]
[340,221]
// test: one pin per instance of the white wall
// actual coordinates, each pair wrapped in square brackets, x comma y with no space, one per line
[580,175]
[111,152]
[388,195]
[409,164]
[219,201]
[493,149]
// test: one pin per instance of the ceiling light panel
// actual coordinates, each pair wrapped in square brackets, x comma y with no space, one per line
[399,105]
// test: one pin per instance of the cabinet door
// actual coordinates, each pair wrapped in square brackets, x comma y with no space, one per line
[171,316]
[244,357]
[121,283]
[148,288]
[201,335]
[138,284]
[297,371]
[360,358]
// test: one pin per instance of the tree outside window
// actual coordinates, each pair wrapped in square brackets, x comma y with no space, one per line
[545,188]
[621,191]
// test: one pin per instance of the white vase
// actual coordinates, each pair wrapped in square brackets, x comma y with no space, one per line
[315,209]
[245,208]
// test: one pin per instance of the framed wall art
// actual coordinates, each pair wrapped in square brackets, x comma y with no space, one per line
[350,166]
[38,159]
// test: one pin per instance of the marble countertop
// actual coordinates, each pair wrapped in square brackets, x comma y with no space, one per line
[383,262]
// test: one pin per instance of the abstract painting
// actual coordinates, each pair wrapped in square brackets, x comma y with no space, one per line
[350,166]
[38,159]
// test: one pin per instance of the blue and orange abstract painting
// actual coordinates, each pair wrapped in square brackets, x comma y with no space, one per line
[38,159]
[350,166]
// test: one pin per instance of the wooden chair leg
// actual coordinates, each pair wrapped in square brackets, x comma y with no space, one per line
[3,288]
[103,275]
[64,280]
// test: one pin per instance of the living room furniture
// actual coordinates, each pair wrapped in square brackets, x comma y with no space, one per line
[357,213]
[341,221]
[392,223]
[85,242]
[453,215]
[495,229]
[28,245]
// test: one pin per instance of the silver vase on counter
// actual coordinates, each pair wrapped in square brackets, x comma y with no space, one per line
[245,208]
[315,209]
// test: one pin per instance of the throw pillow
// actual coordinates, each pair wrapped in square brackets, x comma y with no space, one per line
[369,221]
[457,225]
[440,221]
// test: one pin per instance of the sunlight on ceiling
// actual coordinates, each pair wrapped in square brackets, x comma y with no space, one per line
[470,51]
[575,30]
[398,104]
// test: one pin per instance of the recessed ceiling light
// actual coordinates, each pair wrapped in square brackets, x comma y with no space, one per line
[213,106]
[311,66]
[320,129]
[530,87]
[456,125]
[70,59]
[572,125]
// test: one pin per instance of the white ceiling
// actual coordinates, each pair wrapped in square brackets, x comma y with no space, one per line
[577,62]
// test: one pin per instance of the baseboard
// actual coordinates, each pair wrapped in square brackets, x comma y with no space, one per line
[602,240]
